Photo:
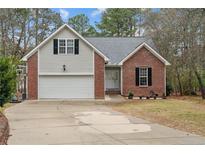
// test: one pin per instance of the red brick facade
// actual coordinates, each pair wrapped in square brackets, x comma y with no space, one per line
[33,77]
[99,77]
[143,58]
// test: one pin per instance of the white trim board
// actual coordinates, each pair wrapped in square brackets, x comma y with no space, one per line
[149,49]
[121,81]
[38,74]
[86,73]
[53,34]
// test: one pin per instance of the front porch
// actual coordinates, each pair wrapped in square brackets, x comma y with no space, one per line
[112,80]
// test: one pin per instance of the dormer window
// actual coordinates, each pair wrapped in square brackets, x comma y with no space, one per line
[66,46]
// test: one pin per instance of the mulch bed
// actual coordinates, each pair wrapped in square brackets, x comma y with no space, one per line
[4,129]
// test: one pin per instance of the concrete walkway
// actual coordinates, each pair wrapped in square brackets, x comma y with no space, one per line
[60,122]
[114,98]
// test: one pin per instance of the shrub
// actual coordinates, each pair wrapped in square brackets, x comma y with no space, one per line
[130,95]
[193,93]
[7,78]
[168,89]
[190,92]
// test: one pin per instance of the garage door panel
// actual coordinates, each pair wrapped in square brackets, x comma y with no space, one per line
[66,87]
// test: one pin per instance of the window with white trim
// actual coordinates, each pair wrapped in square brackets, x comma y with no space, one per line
[143,76]
[62,46]
[70,46]
[66,46]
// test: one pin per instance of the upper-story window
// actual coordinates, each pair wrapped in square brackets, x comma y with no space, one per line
[62,46]
[66,46]
[70,46]
[143,76]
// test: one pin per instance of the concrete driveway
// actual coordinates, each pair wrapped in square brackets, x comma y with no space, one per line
[48,122]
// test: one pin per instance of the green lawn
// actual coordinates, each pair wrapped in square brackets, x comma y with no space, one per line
[185,113]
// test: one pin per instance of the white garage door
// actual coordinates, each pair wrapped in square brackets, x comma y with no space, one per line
[66,87]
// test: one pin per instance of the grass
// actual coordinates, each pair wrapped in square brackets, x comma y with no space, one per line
[184,113]
[6,105]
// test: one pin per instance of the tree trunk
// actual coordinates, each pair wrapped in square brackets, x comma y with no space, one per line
[190,82]
[24,38]
[3,38]
[201,85]
[179,82]
[36,26]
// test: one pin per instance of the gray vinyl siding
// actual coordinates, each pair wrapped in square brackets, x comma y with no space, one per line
[50,63]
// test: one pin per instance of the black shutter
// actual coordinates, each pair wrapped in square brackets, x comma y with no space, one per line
[137,76]
[149,76]
[76,46]
[55,46]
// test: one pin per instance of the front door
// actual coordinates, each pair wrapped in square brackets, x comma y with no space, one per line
[112,79]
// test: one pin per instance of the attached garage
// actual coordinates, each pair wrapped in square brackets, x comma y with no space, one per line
[66,86]
[65,66]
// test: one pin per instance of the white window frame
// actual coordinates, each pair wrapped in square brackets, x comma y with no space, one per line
[143,76]
[70,46]
[61,46]
[66,46]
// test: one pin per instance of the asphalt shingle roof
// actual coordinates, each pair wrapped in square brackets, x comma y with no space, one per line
[117,48]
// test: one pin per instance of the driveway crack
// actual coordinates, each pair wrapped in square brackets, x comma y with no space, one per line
[89,125]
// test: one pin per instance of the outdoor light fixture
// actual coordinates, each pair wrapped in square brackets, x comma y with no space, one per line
[64,68]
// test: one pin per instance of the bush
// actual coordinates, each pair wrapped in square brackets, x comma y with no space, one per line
[7,78]
[168,89]
[193,93]
[190,92]
[130,95]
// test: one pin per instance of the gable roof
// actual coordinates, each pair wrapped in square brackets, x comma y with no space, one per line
[53,34]
[154,52]
[117,49]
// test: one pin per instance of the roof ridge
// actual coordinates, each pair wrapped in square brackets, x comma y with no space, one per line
[115,37]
